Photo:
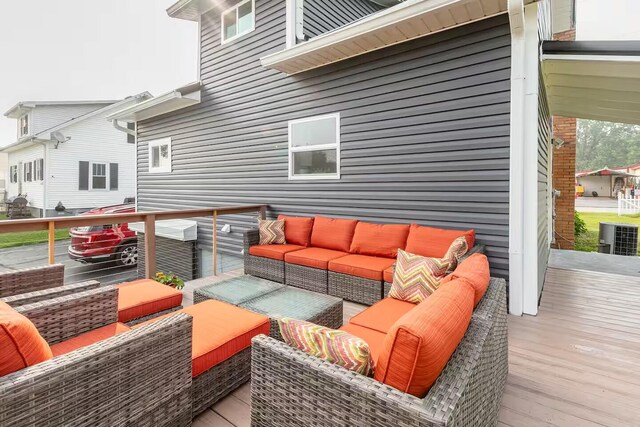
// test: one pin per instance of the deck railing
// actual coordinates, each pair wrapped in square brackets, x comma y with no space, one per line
[148,218]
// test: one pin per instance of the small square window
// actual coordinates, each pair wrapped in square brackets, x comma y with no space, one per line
[99,176]
[160,156]
[238,21]
[314,148]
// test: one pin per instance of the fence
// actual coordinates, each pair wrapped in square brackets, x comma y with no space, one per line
[628,205]
[47,240]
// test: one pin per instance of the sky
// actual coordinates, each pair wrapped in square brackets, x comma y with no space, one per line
[109,49]
[90,49]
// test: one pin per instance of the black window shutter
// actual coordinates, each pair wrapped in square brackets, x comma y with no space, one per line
[83,176]
[41,172]
[131,139]
[113,176]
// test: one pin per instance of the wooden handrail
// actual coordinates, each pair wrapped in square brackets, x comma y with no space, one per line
[149,219]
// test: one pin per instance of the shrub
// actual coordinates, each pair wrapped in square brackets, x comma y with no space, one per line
[580,225]
[170,280]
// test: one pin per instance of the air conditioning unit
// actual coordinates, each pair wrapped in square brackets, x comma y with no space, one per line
[618,239]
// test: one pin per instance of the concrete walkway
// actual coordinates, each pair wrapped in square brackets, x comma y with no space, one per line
[593,261]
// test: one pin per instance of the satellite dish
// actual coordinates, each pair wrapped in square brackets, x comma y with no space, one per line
[59,138]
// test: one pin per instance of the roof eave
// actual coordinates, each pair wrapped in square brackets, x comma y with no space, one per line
[174,100]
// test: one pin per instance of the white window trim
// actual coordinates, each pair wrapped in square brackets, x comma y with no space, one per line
[160,169]
[20,133]
[106,176]
[235,8]
[335,146]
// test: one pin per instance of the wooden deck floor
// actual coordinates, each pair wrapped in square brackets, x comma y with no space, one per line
[576,364]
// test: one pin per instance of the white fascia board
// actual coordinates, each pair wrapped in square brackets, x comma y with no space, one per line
[162,104]
[375,22]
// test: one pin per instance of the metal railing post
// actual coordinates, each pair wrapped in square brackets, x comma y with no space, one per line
[215,243]
[52,242]
[149,246]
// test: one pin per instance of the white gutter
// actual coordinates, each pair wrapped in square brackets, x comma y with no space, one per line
[516,163]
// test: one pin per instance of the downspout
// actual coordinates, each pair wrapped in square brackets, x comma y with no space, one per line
[516,161]
[117,125]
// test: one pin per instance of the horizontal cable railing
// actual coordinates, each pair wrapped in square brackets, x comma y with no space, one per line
[75,241]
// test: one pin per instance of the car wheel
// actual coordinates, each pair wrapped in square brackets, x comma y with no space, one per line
[127,256]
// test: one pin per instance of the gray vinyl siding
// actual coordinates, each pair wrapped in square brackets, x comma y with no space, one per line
[424,133]
[322,16]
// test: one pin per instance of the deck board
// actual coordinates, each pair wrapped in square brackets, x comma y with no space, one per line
[575,364]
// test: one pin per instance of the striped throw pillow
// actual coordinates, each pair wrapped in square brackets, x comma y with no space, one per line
[271,232]
[416,277]
[334,346]
[458,248]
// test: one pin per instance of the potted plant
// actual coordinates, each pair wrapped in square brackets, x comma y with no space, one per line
[169,280]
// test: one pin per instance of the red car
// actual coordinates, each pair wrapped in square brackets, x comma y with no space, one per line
[112,242]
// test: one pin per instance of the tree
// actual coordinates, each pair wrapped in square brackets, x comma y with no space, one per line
[605,144]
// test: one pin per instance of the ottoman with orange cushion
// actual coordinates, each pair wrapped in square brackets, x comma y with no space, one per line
[143,299]
[221,349]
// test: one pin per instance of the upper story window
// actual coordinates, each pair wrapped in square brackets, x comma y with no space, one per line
[314,148]
[23,125]
[160,156]
[238,20]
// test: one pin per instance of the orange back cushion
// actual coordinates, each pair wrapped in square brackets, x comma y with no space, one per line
[475,272]
[419,345]
[434,242]
[297,229]
[20,342]
[379,239]
[333,233]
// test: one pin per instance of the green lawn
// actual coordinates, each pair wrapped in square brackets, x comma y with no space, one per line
[588,242]
[10,240]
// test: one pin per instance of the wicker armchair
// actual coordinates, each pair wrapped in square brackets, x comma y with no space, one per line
[140,377]
[292,388]
[31,279]
[266,268]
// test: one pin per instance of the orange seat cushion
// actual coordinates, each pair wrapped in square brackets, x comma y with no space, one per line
[387,275]
[297,229]
[434,242]
[220,331]
[475,272]
[144,297]
[382,315]
[313,257]
[276,252]
[21,345]
[381,240]
[333,233]
[374,339]
[89,338]
[368,267]
[420,343]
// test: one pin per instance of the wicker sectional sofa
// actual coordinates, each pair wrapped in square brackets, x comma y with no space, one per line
[287,383]
[357,267]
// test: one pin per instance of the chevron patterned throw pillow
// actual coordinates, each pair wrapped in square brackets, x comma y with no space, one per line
[335,346]
[271,232]
[416,277]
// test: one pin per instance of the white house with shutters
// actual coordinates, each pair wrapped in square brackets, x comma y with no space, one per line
[67,154]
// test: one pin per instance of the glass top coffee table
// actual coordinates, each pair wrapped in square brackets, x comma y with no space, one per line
[275,301]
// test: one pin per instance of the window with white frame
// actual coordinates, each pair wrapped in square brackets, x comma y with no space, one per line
[314,147]
[98,176]
[238,20]
[38,167]
[160,156]
[13,174]
[23,125]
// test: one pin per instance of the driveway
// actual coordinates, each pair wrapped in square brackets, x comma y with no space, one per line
[596,204]
[36,255]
